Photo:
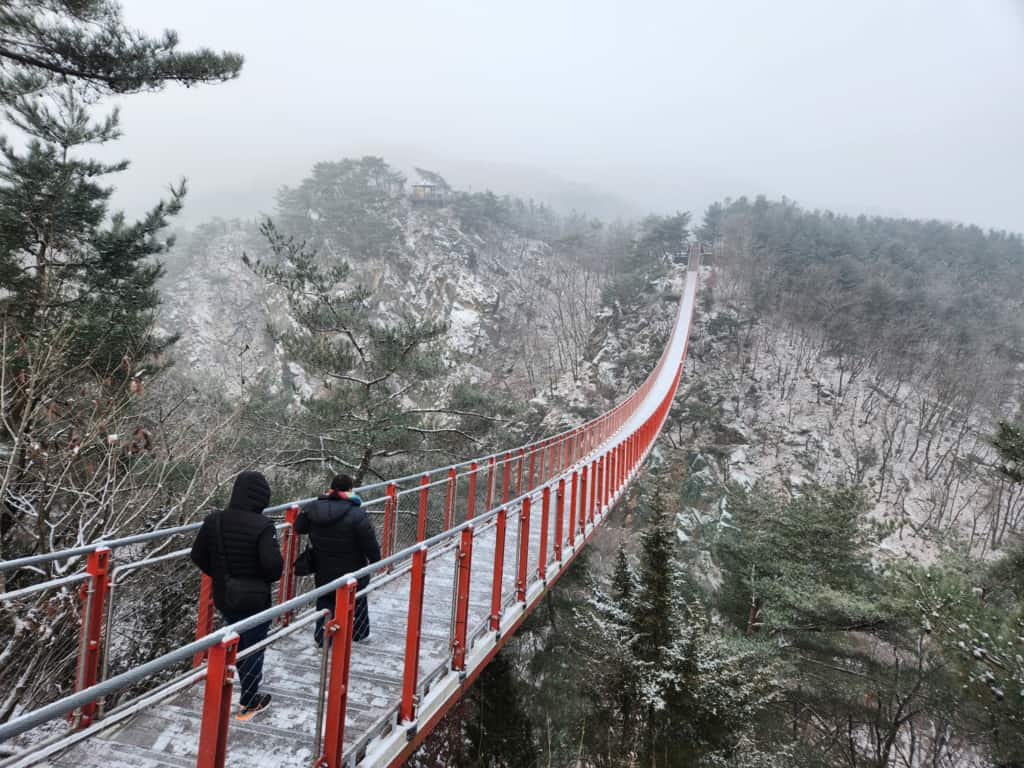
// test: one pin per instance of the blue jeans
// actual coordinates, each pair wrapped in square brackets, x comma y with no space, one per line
[250,669]
[360,622]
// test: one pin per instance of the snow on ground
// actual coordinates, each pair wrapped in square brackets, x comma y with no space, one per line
[782,416]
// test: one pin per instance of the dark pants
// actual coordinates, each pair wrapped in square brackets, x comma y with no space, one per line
[250,669]
[360,622]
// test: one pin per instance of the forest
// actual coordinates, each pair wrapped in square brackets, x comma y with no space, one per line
[763,618]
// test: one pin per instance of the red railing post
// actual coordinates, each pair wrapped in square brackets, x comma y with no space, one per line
[552,465]
[213,728]
[499,568]
[574,499]
[471,502]
[602,484]
[607,478]
[519,471]
[464,564]
[584,488]
[490,483]
[609,468]
[339,632]
[524,550]
[449,498]
[93,595]
[616,468]
[506,479]
[545,513]
[390,520]
[533,457]
[204,625]
[421,525]
[410,674]
[559,518]
[595,483]
[289,551]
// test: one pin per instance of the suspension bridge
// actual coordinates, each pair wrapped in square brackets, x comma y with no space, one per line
[469,551]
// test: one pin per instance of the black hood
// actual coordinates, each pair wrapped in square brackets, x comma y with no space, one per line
[251,493]
[329,510]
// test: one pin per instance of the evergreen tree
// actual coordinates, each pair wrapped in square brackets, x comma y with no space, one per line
[501,732]
[797,564]
[698,695]
[977,616]
[607,675]
[665,690]
[368,374]
[351,209]
[77,302]
[66,265]
[661,237]
[47,43]
[1009,442]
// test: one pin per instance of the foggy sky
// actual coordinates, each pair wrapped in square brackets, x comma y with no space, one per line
[895,107]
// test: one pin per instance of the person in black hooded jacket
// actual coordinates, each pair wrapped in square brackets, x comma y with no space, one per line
[245,548]
[343,541]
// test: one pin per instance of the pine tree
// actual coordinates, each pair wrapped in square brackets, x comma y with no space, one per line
[665,690]
[501,733]
[66,266]
[362,417]
[698,696]
[350,209]
[48,43]
[798,564]
[607,673]
[1009,442]
[77,302]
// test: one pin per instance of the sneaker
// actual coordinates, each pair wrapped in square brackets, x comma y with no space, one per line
[259,703]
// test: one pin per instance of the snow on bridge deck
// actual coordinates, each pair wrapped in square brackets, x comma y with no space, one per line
[168,734]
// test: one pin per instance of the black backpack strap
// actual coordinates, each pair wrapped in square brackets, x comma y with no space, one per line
[219,539]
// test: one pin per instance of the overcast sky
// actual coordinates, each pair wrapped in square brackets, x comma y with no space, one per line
[897,107]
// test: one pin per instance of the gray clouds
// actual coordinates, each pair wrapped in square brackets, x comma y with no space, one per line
[911,108]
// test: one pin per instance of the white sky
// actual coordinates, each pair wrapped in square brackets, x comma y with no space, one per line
[904,107]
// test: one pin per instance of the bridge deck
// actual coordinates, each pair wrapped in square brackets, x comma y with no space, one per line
[168,735]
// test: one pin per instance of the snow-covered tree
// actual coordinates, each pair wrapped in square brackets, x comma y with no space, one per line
[51,43]
[667,690]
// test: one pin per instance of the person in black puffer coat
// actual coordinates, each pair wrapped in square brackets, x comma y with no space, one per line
[248,544]
[343,541]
